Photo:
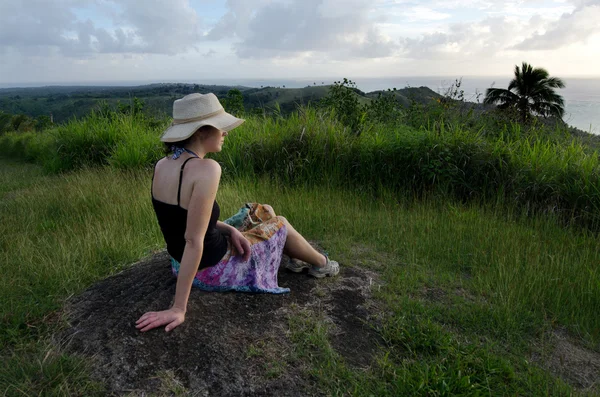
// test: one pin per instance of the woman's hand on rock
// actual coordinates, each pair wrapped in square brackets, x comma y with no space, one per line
[171,318]
[241,245]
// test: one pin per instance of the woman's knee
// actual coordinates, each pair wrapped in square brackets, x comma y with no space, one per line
[269,210]
[282,219]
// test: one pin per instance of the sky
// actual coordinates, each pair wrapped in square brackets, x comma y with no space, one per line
[59,41]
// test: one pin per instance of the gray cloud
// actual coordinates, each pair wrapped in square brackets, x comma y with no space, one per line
[492,35]
[146,26]
[576,27]
[34,23]
[463,40]
[165,27]
[340,29]
[236,19]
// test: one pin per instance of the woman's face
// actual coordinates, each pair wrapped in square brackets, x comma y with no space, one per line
[214,140]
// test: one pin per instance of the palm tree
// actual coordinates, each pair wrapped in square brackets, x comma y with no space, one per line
[531,92]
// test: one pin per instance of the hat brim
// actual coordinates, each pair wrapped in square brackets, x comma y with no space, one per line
[179,132]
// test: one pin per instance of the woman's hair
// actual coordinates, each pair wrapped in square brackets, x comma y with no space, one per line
[201,134]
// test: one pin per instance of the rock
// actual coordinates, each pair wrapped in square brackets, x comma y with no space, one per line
[230,344]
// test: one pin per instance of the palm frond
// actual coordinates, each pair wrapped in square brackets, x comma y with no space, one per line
[531,90]
[500,96]
[554,82]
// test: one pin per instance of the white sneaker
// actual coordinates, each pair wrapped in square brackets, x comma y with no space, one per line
[297,266]
[332,268]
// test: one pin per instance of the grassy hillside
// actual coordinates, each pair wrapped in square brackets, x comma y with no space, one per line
[287,98]
[528,168]
[408,95]
[67,102]
[484,233]
[465,307]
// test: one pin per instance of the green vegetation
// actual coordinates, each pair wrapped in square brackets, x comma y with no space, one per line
[438,195]
[435,148]
[65,103]
[41,107]
[533,94]
[59,235]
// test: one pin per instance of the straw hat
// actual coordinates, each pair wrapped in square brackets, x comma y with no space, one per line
[194,111]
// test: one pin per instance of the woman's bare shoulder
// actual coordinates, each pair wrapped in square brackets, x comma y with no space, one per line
[205,165]
[205,169]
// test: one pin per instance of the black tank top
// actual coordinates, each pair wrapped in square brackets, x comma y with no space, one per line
[173,221]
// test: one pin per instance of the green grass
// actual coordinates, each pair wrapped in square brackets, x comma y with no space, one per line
[508,279]
[15,176]
[534,170]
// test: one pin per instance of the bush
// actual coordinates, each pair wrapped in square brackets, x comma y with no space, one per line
[525,169]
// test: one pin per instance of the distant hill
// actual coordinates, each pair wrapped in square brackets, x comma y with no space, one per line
[406,95]
[287,98]
[65,102]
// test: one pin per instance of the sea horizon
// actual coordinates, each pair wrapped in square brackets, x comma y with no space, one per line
[581,94]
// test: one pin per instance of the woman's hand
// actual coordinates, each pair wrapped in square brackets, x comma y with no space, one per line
[241,245]
[172,318]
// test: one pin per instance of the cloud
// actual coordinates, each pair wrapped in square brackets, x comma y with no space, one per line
[464,40]
[333,28]
[164,27]
[138,26]
[416,14]
[34,23]
[498,34]
[235,21]
[571,28]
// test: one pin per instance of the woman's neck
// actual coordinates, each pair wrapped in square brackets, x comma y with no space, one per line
[197,148]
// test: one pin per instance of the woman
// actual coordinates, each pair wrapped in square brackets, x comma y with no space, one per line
[204,251]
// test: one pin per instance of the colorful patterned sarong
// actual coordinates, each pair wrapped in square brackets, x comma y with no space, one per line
[267,237]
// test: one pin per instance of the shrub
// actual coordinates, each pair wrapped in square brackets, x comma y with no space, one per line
[526,169]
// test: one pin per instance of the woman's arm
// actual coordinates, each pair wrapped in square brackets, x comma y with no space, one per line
[225,228]
[239,242]
[204,190]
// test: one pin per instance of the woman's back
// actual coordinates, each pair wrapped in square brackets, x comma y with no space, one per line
[171,192]
[166,179]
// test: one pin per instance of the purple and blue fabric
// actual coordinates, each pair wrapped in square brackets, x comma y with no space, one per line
[257,274]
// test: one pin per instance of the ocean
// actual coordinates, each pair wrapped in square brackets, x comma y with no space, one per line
[582,95]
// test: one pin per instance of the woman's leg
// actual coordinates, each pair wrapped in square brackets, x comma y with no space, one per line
[297,247]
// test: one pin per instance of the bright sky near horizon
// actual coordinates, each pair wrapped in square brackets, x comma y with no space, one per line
[54,41]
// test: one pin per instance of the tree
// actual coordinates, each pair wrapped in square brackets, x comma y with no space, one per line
[343,100]
[135,107]
[21,122]
[530,93]
[43,122]
[234,102]
[5,119]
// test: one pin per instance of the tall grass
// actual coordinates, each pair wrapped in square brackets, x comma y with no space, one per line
[310,147]
[61,234]
[517,277]
[530,173]
[120,140]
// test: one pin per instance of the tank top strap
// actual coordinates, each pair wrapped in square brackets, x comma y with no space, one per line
[180,179]
[152,184]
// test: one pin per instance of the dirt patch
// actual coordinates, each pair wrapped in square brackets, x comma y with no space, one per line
[576,365]
[434,294]
[230,344]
